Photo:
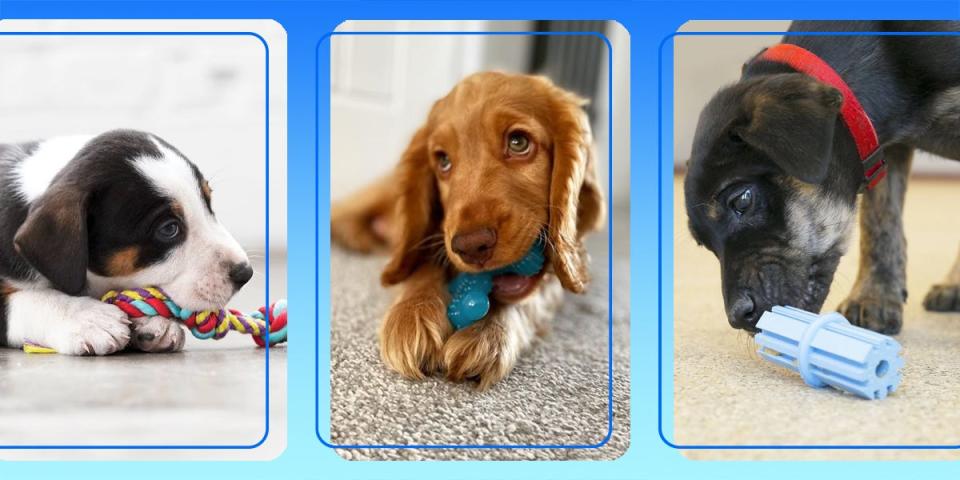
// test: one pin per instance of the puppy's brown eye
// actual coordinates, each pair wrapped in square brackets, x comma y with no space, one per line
[518,143]
[443,162]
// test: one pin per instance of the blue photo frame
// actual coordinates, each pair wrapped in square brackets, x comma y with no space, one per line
[323,131]
[663,360]
[266,184]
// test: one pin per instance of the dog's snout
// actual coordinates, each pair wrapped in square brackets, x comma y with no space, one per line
[743,313]
[475,247]
[240,274]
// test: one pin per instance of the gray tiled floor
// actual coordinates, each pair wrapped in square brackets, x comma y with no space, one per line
[210,393]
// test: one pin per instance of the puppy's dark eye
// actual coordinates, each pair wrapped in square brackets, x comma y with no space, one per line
[518,143]
[443,161]
[735,137]
[741,202]
[168,230]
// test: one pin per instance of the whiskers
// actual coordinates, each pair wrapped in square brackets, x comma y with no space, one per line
[255,254]
[544,236]
[747,345]
[429,241]
[257,258]
[554,244]
[435,247]
[439,256]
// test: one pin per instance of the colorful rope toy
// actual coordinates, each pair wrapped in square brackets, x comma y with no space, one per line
[470,291]
[149,302]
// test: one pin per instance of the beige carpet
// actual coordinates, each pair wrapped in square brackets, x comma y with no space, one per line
[724,393]
[557,394]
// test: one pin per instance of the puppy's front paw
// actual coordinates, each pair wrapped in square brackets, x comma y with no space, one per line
[479,353]
[157,334]
[879,314]
[412,334]
[943,298]
[91,328]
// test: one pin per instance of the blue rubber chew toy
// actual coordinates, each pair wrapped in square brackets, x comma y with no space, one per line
[470,292]
[828,351]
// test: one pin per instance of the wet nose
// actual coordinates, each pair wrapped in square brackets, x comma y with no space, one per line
[240,274]
[743,313]
[475,247]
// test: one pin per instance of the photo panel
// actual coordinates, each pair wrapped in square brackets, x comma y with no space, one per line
[420,115]
[751,237]
[150,149]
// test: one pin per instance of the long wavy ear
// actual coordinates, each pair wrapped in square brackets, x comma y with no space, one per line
[576,199]
[417,213]
[591,209]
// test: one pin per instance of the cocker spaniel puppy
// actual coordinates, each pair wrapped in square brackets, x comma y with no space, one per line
[502,160]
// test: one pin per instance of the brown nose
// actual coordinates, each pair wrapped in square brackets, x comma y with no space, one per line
[475,247]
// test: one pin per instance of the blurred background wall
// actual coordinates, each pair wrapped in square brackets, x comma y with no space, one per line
[383,86]
[704,64]
[204,95]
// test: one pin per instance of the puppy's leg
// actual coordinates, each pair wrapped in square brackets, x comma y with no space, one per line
[487,350]
[945,297]
[876,301]
[69,325]
[943,139]
[416,325]
[361,222]
[157,335]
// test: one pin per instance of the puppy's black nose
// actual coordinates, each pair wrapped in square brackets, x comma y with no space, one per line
[240,274]
[742,313]
[475,247]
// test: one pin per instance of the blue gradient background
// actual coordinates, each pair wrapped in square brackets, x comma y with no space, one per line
[649,23]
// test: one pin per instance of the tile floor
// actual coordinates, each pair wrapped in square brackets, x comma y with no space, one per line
[210,393]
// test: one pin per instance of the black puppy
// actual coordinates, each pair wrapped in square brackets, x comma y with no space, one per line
[773,179]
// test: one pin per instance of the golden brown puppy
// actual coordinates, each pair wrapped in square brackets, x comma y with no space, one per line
[501,161]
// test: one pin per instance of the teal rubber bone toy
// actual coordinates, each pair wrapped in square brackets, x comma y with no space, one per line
[470,292]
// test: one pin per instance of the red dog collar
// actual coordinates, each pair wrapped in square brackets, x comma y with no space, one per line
[864,135]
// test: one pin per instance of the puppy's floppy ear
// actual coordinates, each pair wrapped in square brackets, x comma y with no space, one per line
[748,63]
[576,200]
[53,238]
[591,207]
[417,211]
[792,118]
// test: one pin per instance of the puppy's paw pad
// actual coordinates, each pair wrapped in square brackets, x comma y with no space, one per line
[879,315]
[411,336]
[477,353]
[943,298]
[157,335]
[92,328]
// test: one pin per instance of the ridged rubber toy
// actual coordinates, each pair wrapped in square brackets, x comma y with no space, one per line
[826,350]
[470,292]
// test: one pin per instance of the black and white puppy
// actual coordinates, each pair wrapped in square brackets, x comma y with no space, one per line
[82,215]
[774,176]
